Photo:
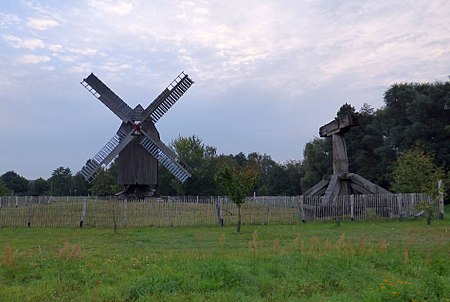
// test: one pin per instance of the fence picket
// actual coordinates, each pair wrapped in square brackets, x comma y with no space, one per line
[21,211]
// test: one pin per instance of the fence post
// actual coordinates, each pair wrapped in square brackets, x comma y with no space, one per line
[352,205]
[302,209]
[219,210]
[170,213]
[399,203]
[28,204]
[83,212]
[125,208]
[441,199]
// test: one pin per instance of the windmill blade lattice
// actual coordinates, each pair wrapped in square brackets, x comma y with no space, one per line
[165,156]
[106,154]
[168,97]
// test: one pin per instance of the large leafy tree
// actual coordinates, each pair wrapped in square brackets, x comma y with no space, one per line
[15,183]
[317,162]
[369,155]
[293,173]
[418,115]
[238,182]
[80,185]
[201,161]
[61,182]
[3,189]
[416,172]
[39,186]
[266,169]
[105,184]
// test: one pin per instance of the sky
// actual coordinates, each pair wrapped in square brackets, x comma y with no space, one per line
[267,74]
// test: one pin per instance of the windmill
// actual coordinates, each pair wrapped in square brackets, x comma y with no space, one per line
[342,182]
[137,143]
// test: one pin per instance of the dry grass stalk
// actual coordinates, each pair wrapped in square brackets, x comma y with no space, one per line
[406,255]
[69,252]
[362,246]
[383,246]
[276,246]
[222,241]
[8,257]
[254,242]
[427,261]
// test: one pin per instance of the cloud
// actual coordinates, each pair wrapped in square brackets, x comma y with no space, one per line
[17,42]
[8,20]
[33,59]
[42,24]
[115,7]
[83,51]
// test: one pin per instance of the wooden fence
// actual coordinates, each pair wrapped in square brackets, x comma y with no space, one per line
[44,211]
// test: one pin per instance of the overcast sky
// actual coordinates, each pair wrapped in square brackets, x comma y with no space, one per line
[267,74]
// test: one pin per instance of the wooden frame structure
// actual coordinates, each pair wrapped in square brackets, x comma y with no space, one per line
[341,182]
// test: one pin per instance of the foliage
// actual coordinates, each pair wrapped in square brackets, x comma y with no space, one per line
[416,115]
[80,185]
[238,181]
[105,184]
[39,187]
[401,261]
[416,171]
[317,162]
[15,183]
[3,189]
[61,182]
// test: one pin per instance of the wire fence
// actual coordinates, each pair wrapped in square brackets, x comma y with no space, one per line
[48,211]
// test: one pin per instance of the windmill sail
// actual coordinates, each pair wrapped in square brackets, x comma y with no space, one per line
[108,97]
[165,156]
[168,97]
[106,154]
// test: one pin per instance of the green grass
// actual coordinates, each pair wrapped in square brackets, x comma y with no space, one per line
[358,261]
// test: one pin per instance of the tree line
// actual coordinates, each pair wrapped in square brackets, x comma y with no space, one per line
[415,118]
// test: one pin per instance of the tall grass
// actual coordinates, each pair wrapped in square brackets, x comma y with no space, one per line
[377,261]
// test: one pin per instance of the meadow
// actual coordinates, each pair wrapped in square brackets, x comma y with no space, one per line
[388,260]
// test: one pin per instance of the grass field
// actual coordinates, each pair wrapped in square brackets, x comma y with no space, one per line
[358,261]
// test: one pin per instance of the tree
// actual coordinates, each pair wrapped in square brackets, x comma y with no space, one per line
[317,162]
[238,181]
[105,184]
[416,171]
[201,161]
[294,171]
[15,183]
[368,154]
[80,185]
[61,182]
[3,189]
[265,167]
[39,187]
[416,115]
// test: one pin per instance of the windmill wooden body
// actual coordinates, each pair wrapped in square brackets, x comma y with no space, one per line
[137,143]
[341,182]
